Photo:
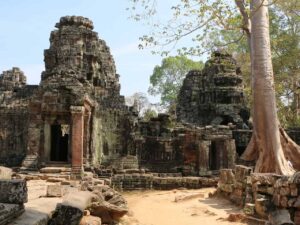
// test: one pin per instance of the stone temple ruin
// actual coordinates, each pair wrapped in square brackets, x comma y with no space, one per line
[75,120]
[76,115]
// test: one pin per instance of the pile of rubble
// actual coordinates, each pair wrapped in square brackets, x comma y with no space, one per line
[59,201]
[268,196]
[93,204]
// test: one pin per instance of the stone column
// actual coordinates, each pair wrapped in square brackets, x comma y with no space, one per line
[231,152]
[77,139]
[47,142]
[86,140]
[203,157]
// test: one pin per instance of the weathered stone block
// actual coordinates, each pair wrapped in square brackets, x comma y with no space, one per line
[297,202]
[5,173]
[54,190]
[276,199]
[90,220]
[226,176]
[13,191]
[261,207]
[297,217]
[284,201]
[280,216]
[241,172]
[8,212]
[294,190]
[66,215]
[285,191]
[264,178]
[228,188]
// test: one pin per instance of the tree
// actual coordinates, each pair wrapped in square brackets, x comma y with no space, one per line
[139,100]
[167,78]
[285,43]
[148,114]
[269,145]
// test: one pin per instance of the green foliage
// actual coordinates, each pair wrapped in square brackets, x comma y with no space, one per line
[194,19]
[217,24]
[148,114]
[167,78]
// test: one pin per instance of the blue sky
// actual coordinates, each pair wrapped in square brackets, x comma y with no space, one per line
[26,25]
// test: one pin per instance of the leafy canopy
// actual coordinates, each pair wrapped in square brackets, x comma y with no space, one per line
[167,78]
[213,24]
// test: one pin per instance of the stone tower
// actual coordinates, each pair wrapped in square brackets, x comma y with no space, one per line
[213,96]
[77,114]
[12,79]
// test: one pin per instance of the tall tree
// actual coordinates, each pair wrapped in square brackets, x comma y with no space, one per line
[269,145]
[167,78]
[266,135]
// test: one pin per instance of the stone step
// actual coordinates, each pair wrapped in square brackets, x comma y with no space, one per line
[60,169]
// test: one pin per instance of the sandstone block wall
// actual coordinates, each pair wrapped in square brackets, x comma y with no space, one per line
[127,182]
[261,194]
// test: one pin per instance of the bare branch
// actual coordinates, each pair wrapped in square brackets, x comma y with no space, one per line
[246,18]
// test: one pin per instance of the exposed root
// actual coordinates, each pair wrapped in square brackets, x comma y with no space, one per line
[251,152]
[274,162]
[291,149]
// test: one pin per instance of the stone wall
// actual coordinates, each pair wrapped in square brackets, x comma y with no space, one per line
[261,195]
[156,181]
[14,98]
[188,149]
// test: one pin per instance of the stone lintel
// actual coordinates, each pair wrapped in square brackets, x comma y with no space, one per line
[77,109]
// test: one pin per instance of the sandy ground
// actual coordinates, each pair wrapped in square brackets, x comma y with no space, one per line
[178,207]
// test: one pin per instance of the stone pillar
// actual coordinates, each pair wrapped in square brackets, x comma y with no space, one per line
[77,139]
[47,142]
[203,157]
[231,152]
[86,139]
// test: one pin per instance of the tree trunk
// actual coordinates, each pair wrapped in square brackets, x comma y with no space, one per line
[265,144]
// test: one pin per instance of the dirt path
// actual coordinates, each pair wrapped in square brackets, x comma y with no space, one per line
[178,207]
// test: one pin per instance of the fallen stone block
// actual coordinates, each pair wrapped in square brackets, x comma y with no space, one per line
[54,190]
[13,191]
[8,212]
[226,176]
[71,210]
[90,220]
[261,207]
[280,217]
[241,172]
[108,213]
[5,173]
[66,215]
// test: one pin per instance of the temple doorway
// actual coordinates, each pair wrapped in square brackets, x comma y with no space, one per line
[59,143]
[217,155]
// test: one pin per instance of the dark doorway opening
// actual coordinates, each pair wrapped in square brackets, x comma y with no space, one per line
[213,162]
[218,155]
[59,143]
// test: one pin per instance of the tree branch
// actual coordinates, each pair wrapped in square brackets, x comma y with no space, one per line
[246,18]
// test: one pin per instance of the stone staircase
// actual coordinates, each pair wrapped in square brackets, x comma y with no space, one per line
[30,163]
